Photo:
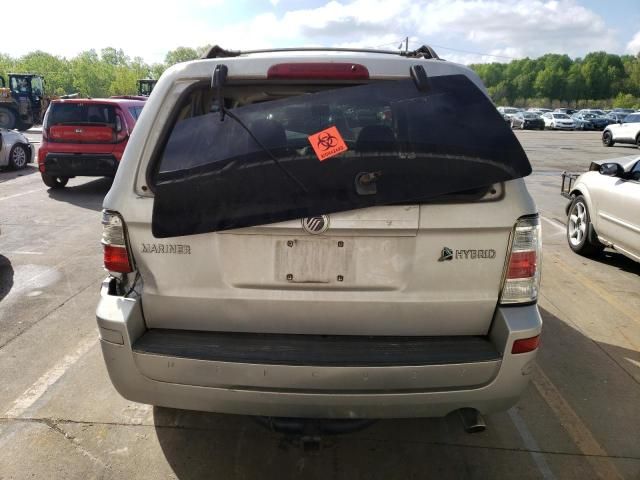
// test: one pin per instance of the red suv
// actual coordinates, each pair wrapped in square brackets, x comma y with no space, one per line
[85,137]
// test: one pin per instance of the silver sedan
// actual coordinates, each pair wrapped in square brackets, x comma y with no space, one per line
[15,149]
[605,208]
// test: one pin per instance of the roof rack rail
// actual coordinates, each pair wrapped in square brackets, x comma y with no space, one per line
[424,51]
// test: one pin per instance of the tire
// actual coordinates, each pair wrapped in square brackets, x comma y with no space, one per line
[578,227]
[607,139]
[18,157]
[54,182]
[7,118]
[638,141]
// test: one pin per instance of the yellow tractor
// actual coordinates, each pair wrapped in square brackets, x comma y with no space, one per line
[22,101]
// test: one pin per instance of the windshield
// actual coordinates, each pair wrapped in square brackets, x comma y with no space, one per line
[560,115]
[352,147]
[530,115]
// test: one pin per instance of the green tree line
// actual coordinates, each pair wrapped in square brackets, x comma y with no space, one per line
[91,73]
[599,79]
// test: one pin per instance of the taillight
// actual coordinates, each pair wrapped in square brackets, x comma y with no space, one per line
[525,345]
[522,277]
[318,71]
[121,131]
[114,243]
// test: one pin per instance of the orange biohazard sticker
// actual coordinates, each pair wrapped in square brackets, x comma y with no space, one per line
[327,143]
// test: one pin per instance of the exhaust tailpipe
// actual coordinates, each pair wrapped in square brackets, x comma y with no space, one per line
[472,420]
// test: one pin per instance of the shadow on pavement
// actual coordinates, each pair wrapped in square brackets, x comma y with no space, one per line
[618,260]
[6,277]
[602,396]
[7,174]
[89,194]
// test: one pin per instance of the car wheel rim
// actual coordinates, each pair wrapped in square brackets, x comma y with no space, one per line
[19,157]
[577,224]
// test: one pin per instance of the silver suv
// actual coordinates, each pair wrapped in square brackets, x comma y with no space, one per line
[321,233]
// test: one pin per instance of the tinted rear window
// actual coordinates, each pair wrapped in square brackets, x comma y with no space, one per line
[81,113]
[410,146]
[135,112]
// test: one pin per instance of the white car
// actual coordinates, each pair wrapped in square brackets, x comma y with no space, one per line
[558,121]
[605,208]
[539,111]
[15,149]
[508,112]
[626,131]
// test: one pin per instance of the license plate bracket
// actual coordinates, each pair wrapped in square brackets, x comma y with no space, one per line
[312,261]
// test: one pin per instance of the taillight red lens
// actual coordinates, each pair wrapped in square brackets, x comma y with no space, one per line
[114,242]
[318,71]
[525,345]
[522,276]
[522,265]
[116,259]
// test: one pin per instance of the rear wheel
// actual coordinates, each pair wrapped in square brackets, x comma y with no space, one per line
[607,139]
[578,227]
[18,157]
[7,118]
[54,182]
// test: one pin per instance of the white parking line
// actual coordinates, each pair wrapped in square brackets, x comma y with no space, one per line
[39,388]
[20,194]
[554,223]
[531,444]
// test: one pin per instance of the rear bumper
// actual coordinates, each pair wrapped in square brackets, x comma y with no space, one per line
[81,164]
[324,391]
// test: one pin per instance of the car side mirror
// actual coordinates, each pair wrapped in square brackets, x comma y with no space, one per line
[611,169]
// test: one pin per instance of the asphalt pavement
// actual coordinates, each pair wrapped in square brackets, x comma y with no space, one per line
[61,418]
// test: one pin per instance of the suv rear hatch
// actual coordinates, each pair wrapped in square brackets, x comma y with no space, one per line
[84,123]
[403,229]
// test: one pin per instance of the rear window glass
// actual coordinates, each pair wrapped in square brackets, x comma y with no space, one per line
[394,144]
[81,113]
[135,112]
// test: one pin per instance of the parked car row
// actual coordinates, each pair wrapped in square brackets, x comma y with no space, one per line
[562,118]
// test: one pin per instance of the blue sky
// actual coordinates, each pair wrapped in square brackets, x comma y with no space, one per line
[459,30]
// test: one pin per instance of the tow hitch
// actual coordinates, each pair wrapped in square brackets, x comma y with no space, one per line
[309,432]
